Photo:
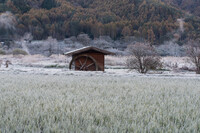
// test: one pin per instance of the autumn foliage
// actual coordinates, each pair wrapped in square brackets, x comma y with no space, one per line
[152,19]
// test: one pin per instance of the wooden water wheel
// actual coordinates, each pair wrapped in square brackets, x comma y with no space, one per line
[83,63]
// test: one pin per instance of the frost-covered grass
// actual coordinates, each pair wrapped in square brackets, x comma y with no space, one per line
[47,103]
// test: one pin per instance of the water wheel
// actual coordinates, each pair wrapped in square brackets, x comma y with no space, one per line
[83,63]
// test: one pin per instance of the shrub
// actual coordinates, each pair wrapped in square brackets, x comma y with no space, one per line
[143,58]
[19,52]
[2,52]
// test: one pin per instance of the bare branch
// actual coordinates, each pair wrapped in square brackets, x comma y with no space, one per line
[143,58]
[193,51]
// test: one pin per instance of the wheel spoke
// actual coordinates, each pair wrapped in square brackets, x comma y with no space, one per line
[80,62]
[89,65]
[83,65]
[85,61]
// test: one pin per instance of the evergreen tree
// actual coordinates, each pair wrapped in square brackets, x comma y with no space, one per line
[48,4]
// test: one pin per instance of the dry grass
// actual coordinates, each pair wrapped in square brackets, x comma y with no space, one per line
[115,60]
[39,103]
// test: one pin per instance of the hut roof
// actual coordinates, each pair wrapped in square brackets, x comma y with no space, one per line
[89,48]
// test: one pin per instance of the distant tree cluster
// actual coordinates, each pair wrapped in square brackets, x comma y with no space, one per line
[151,20]
[143,58]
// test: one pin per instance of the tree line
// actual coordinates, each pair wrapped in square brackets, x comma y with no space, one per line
[150,19]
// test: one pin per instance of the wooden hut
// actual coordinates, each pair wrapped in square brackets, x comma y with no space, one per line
[88,59]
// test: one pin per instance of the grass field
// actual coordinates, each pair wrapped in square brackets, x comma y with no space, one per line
[47,103]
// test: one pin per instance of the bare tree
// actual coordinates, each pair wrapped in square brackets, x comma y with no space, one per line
[143,58]
[51,46]
[193,51]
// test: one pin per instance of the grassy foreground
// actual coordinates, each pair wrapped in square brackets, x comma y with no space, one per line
[43,103]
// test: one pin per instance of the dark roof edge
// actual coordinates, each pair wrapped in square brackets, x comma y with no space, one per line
[84,49]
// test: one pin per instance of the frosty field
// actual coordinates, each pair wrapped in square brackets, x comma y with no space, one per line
[103,103]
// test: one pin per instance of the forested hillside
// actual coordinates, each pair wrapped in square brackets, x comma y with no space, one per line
[193,6]
[153,20]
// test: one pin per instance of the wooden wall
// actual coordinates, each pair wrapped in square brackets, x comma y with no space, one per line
[99,57]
